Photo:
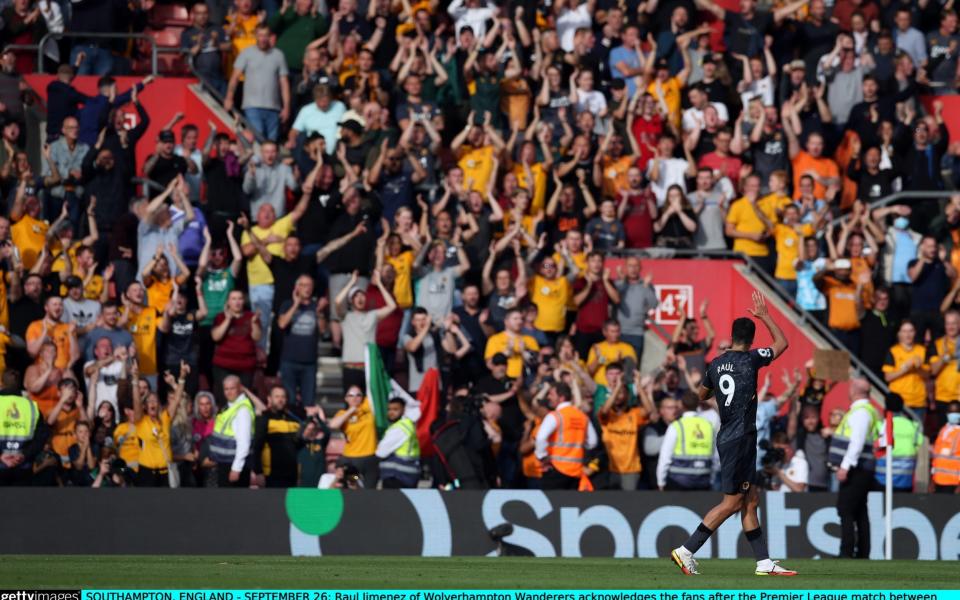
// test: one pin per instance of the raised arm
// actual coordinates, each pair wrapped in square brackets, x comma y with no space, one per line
[390,304]
[711,7]
[760,312]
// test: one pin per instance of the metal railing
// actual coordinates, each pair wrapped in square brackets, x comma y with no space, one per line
[901,195]
[146,185]
[105,36]
[235,113]
[30,47]
[154,52]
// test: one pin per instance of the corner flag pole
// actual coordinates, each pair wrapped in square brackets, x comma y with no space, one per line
[888,491]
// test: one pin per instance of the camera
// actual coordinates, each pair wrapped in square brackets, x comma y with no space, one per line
[351,479]
[119,467]
[772,457]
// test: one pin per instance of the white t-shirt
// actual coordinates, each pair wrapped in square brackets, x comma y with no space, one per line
[592,101]
[569,22]
[762,87]
[107,386]
[672,171]
[798,470]
[692,117]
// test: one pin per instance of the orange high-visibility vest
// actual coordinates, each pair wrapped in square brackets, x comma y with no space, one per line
[531,464]
[565,448]
[946,456]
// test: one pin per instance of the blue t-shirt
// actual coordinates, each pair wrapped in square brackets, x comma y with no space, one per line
[904,251]
[808,296]
[622,54]
[191,238]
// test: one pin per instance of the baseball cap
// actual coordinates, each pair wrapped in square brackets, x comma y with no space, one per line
[662,64]
[73,281]
[167,136]
[354,291]
[499,358]
[841,263]
[353,126]
[797,64]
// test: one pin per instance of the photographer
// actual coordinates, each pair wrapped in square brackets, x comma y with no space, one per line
[113,471]
[784,468]
[345,477]
[312,456]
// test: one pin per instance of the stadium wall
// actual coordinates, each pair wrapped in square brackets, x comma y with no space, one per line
[729,291]
[432,523]
[162,99]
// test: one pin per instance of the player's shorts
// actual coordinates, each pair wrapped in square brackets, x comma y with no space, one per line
[738,465]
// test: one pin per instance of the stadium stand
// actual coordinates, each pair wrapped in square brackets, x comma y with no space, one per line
[462,205]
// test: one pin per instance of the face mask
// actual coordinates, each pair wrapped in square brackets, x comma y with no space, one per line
[953,418]
[901,222]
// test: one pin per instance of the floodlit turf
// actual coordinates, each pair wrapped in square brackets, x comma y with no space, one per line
[359,572]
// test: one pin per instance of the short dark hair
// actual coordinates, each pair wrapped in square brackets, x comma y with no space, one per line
[188,128]
[562,390]
[690,400]
[105,81]
[10,379]
[395,400]
[616,365]
[743,331]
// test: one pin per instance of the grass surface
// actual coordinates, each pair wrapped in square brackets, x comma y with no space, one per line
[412,573]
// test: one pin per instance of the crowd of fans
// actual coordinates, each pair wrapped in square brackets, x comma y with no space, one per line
[445,181]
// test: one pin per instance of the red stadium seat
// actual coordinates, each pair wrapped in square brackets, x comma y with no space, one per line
[169,14]
[168,37]
[168,63]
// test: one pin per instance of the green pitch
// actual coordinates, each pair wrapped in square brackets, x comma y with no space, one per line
[240,572]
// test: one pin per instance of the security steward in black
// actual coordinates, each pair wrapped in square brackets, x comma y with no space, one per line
[276,441]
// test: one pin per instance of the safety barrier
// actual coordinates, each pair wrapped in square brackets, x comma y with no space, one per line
[424,522]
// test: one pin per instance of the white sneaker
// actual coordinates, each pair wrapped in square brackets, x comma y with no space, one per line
[683,558]
[772,567]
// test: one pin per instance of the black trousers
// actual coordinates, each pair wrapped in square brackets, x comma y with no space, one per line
[223,477]
[147,477]
[392,483]
[854,519]
[282,481]
[16,477]
[555,480]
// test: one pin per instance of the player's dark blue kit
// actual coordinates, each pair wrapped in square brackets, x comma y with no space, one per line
[732,377]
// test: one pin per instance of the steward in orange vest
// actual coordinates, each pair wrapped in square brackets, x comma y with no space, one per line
[946,453]
[562,441]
